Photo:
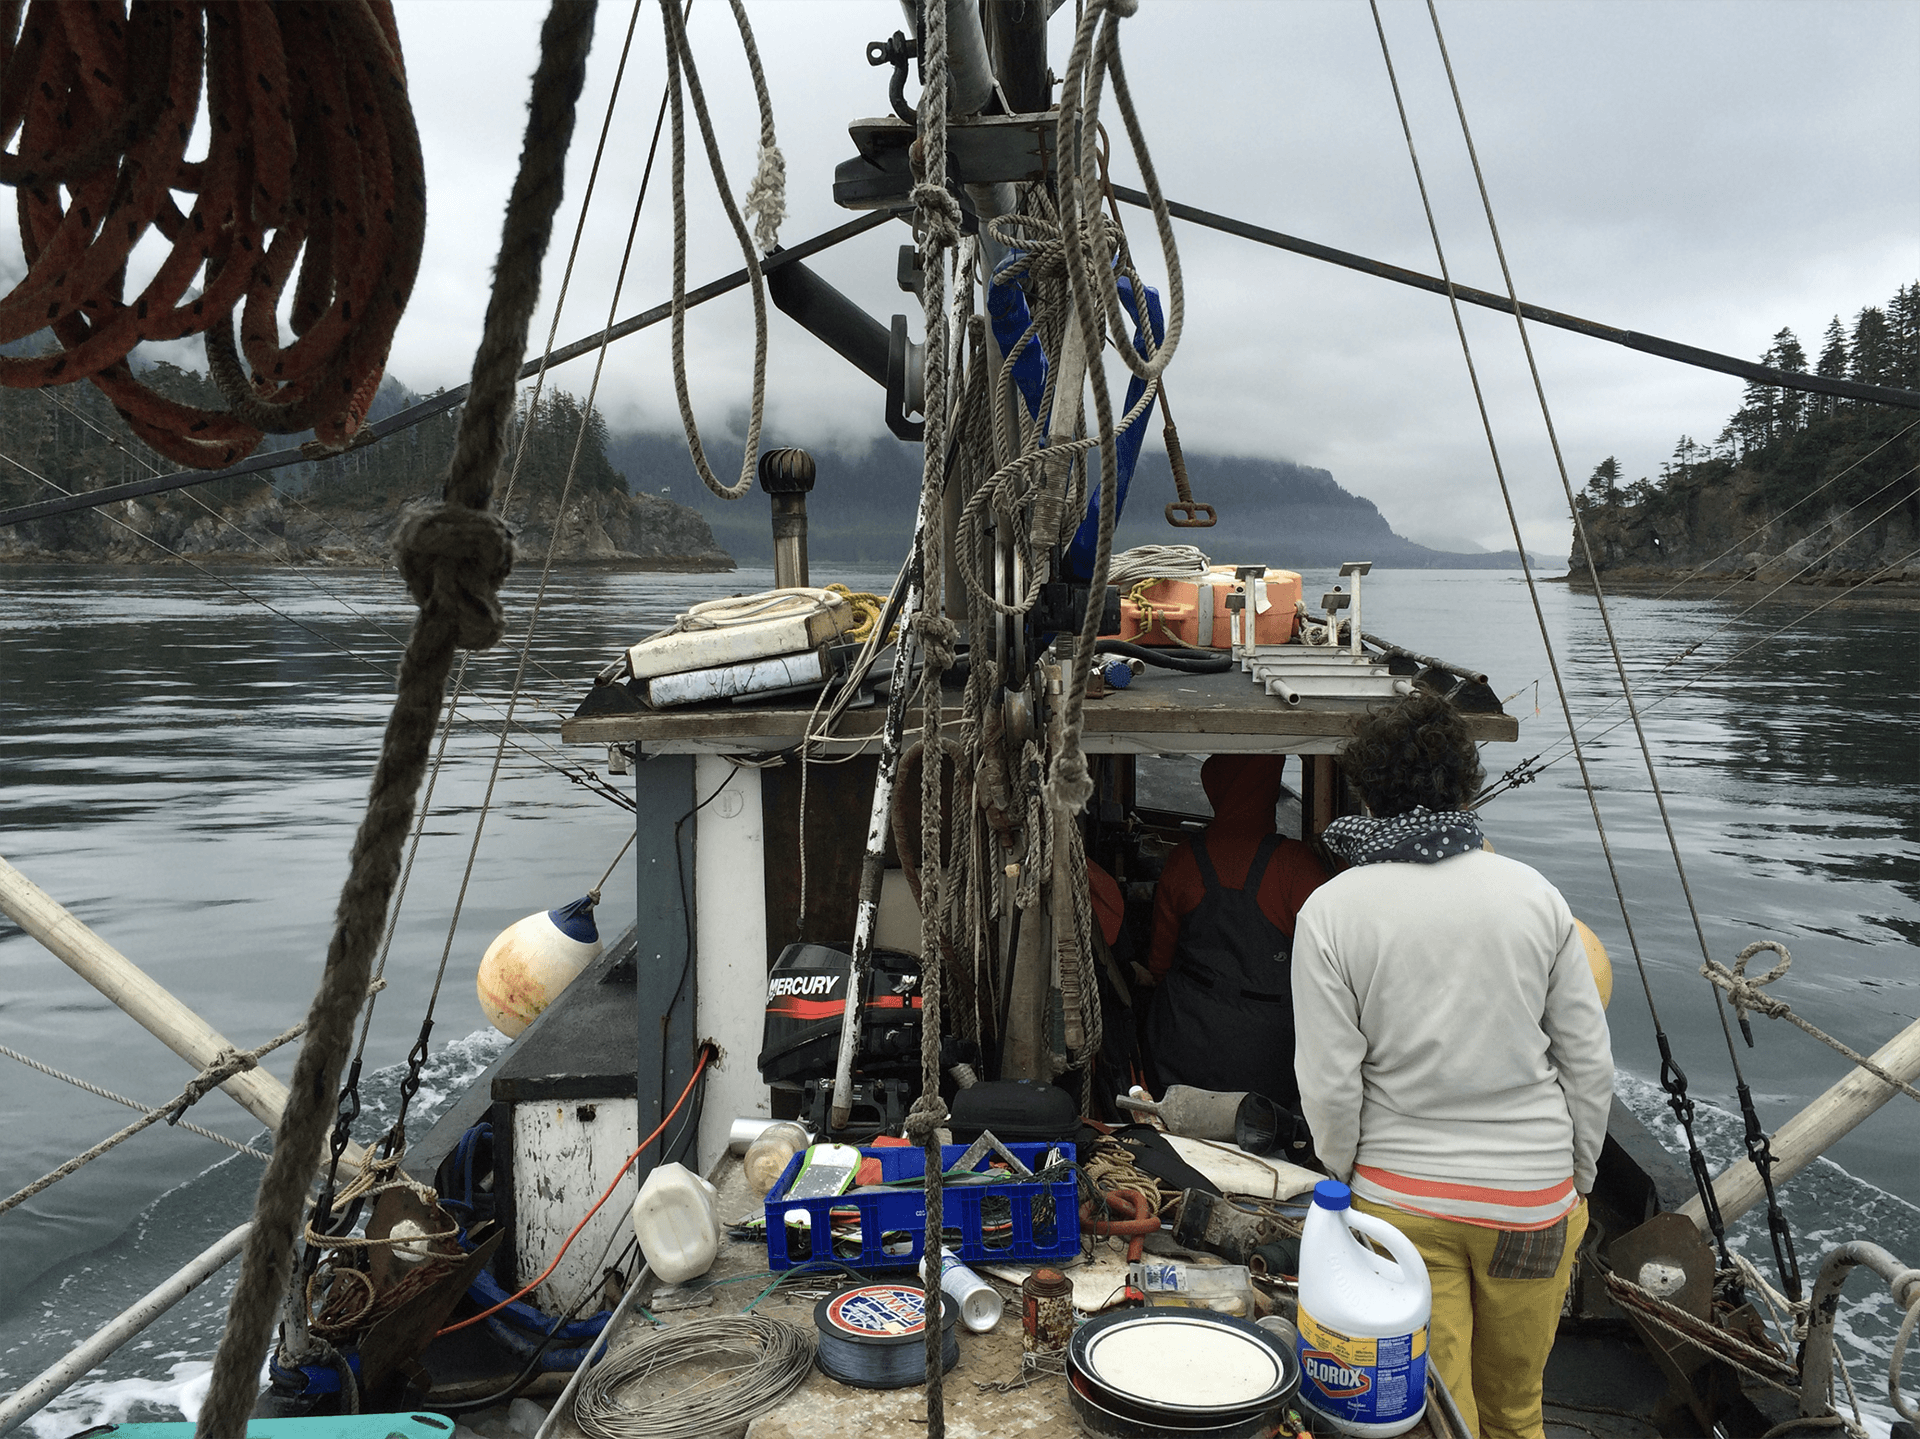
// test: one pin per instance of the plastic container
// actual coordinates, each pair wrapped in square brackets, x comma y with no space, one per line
[998,1223]
[1217,1288]
[1194,612]
[980,1303]
[1363,1319]
[767,1157]
[677,1221]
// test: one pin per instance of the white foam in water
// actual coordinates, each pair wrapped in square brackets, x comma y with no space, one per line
[116,1401]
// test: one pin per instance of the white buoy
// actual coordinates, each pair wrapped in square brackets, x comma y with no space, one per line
[524,970]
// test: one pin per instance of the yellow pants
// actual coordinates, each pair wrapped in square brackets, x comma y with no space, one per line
[1490,1335]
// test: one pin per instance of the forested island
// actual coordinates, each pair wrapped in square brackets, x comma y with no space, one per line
[1795,487]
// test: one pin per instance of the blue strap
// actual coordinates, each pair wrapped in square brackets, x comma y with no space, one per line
[1086,540]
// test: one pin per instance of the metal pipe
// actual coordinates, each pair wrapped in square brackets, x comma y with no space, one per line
[1816,1370]
[1428,660]
[787,476]
[1017,40]
[33,1396]
[969,68]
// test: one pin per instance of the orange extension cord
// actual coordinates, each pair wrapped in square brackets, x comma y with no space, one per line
[706,1054]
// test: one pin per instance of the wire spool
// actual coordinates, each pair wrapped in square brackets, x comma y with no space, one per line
[874,1336]
[762,1360]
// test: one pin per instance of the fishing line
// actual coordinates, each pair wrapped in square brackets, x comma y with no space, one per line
[1758,1148]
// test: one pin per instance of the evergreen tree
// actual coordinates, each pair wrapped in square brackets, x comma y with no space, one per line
[1833,364]
[1602,485]
[1903,323]
[1873,347]
[1789,408]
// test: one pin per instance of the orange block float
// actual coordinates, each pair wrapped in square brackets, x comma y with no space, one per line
[1194,612]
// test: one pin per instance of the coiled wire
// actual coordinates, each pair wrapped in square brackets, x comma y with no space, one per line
[769,1359]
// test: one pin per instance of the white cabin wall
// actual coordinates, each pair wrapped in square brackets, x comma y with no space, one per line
[730,929]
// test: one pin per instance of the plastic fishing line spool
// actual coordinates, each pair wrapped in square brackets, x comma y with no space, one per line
[874,1335]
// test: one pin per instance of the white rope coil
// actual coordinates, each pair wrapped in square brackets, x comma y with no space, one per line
[1157,562]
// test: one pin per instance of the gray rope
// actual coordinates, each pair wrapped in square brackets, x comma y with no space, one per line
[1745,995]
[454,560]
[208,1079]
[766,198]
[680,67]
[121,1099]
[937,219]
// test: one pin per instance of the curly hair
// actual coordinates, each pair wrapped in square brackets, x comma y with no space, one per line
[1415,751]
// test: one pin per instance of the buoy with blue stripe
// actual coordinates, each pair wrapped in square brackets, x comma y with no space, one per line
[524,970]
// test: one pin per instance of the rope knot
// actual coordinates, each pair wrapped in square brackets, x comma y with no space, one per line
[1069,787]
[766,200]
[929,1113]
[1745,993]
[457,559]
[938,636]
[938,214]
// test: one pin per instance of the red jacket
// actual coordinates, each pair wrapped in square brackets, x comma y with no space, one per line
[1243,789]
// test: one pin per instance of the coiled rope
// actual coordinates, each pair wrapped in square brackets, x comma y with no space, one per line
[454,559]
[312,158]
[764,1360]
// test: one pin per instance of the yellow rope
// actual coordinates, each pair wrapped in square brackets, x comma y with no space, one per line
[868,607]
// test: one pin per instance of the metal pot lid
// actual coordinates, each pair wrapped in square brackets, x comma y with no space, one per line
[1183,1362]
[1106,1423]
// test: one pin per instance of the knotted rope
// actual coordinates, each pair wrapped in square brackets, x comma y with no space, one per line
[225,1065]
[683,82]
[453,559]
[312,157]
[766,198]
[1745,994]
[937,220]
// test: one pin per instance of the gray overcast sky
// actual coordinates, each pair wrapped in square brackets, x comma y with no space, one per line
[1704,171]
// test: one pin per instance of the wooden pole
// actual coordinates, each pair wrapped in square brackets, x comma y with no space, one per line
[1809,1133]
[129,987]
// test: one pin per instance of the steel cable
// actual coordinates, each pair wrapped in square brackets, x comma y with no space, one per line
[763,1360]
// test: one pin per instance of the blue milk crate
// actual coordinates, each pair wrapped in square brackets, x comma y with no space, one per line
[893,1223]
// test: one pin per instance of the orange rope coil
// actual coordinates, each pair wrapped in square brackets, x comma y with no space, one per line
[312,157]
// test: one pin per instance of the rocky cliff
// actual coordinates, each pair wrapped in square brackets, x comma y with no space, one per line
[601,527]
[1730,527]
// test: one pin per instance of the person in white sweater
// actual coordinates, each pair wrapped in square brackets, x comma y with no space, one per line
[1453,1056]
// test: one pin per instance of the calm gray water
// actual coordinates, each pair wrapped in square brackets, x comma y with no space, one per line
[184,769]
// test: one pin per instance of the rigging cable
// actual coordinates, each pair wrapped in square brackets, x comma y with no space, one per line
[1759,1148]
[460,670]
[1673,1079]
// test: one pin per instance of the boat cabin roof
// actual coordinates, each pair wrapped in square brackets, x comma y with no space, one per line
[1160,712]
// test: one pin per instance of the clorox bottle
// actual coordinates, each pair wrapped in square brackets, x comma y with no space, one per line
[1363,1319]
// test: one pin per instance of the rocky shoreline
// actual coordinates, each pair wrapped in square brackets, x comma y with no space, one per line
[601,529]
[1835,589]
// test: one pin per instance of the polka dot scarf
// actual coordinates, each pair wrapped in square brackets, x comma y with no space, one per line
[1420,836]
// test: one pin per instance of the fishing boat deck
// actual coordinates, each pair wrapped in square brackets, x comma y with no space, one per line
[977,1404]
[1160,712]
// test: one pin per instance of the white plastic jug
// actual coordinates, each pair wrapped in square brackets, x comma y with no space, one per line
[677,1221]
[1363,1319]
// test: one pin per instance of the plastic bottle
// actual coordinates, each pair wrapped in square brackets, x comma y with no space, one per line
[677,1222]
[767,1157]
[1363,1319]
